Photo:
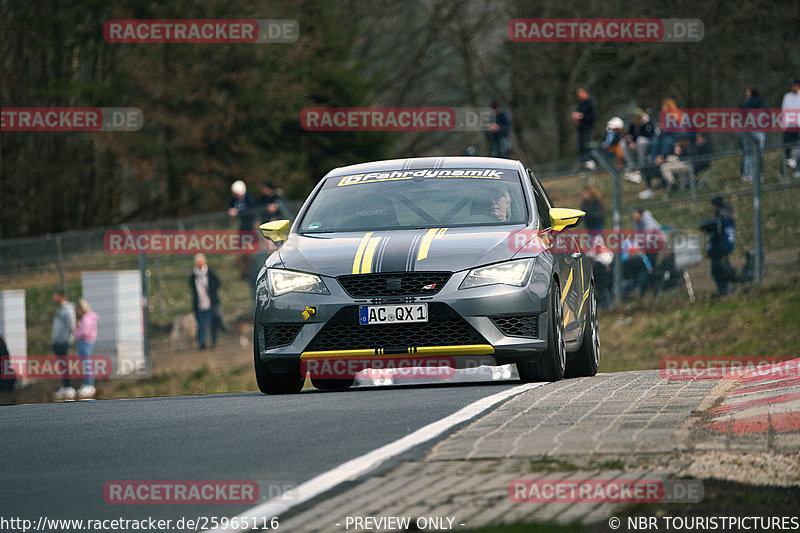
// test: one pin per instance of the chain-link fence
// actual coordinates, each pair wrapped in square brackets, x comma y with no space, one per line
[141,293]
[679,198]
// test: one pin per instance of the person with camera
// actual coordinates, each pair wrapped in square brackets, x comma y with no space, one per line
[721,241]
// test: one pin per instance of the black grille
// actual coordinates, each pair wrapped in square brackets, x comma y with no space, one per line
[280,334]
[393,284]
[444,328]
[517,326]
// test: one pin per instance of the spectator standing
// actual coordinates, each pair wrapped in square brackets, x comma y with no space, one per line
[242,205]
[592,205]
[63,336]
[269,201]
[501,131]
[790,107]
[721,243]
[602,260]
[204,284]
[644,221]
[86,337]
[752,141]
[583,117]
[8,377]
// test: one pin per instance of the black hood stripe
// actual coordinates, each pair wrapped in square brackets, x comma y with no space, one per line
[412,252]
[396,251]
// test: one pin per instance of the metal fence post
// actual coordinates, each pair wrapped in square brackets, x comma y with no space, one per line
[693,187]
[600,158]
[145,308]
[60,261]
[757,242]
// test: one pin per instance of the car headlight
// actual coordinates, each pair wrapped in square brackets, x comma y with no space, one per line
[283,281]
[514,273]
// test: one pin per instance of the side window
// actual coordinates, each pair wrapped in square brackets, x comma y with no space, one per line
[542,205]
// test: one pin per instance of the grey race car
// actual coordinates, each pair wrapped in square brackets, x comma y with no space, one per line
[450,258]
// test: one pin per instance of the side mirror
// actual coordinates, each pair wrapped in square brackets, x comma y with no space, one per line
[562,218]
[276,231]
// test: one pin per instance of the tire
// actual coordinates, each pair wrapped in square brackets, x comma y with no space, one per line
[331,384]
[552,361]
[272,382]
[587,358]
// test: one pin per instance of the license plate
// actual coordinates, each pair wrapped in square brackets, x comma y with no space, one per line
[369,315]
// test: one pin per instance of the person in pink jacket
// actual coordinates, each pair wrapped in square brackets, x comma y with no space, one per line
[86,336]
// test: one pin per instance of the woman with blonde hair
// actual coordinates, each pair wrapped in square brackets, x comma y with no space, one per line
[664,144]
[86,337]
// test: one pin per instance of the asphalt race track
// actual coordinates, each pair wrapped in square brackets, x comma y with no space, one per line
[57,457]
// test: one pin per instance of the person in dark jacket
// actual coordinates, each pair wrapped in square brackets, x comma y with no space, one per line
[8,377]
[270,201]
[583,117]
[636,149]
[205,302]
[501,131]
[702,150]
[592,205]
[721,242]
[753,141]
[243,206]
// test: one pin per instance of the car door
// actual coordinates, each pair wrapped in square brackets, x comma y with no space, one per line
[570,262]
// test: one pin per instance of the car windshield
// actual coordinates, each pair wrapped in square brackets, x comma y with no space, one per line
[424,198]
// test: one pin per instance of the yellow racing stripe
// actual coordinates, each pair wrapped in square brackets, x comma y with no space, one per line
[564,297]
[366,263]
[583,299]
[567,285]
[360,253]
[414,351]
[426,243]
[433,233]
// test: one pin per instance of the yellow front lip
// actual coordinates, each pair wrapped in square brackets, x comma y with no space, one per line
[413,351]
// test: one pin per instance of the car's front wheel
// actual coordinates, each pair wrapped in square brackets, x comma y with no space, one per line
[587,358]
[552,361]
[272,382]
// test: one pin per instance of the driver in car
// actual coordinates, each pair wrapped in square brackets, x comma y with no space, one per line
[500,204]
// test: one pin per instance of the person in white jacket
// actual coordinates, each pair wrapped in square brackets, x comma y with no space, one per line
[790,109]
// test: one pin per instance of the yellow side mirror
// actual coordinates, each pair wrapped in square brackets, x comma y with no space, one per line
[562,218]
[276,231]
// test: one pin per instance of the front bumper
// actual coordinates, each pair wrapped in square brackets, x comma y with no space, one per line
[487,311]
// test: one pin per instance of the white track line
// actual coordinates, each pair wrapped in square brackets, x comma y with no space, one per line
[354,468]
